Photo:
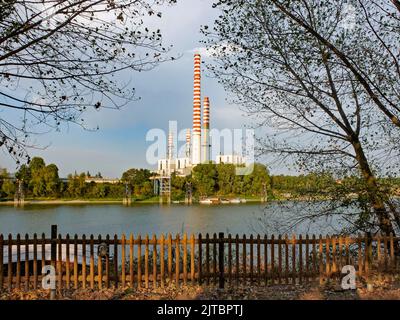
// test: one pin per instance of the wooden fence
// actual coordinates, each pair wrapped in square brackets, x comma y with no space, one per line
[143,262]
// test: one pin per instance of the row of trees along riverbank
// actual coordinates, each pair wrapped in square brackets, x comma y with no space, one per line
[42,181]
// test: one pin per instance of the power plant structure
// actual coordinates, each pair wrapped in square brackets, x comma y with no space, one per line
[198,144]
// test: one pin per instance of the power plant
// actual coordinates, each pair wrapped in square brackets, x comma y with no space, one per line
[198,143]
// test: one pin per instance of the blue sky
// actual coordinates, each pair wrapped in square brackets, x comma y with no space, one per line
[166,94]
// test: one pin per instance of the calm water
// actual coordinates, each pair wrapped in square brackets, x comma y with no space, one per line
[153,218]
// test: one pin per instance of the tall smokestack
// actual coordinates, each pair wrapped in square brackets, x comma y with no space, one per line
[196,146]
[188,143]
[170,146]
[206,130]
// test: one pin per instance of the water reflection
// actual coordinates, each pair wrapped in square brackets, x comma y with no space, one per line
[154,218]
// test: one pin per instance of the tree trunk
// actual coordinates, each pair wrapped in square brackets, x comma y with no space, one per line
[375,196]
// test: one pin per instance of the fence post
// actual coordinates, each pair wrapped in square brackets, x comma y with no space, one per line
[200,262]
[53,255]
[221,260]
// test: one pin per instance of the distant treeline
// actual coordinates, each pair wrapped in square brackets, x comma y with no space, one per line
[43,181]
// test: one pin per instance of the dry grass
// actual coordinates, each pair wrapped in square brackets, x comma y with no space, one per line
[380,290]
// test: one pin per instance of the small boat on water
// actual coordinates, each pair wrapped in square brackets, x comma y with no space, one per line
[225,201]
[237,200]
[213,200]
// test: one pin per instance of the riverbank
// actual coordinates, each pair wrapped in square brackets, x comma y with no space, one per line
[100,201]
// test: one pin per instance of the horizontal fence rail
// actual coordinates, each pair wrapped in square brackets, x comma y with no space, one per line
[144,262]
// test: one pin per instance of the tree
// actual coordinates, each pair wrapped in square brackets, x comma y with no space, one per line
[76,185]
[51,179]
[24,174]
[63,57]
[205,179]
[136,178]
[226,176]
[299,85]
[37,182]
[7,185]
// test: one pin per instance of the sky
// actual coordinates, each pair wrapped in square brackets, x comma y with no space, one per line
[166,94]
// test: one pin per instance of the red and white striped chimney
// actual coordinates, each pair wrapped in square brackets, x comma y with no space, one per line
[196,146]
[206,130]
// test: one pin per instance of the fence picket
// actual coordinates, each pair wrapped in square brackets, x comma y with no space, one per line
[286,259]
[294,259]
[75,261]
[162,248]
[146,262]
[9,263]
[378,252]
[91,248]
[334,264]
[177,257]
[26,262]
[139,261]
[244,259]
[200,259]
[258,259]
[192,258]
[84,277]
[59,262]
[230,259]
[207,259]
[154,261]
[131,260]
[123,265]
[107,259]
[18,279]
[237,261]
[184,264]
[314,257]
[340,263]
[385,252]
[307,270]
[328,260]
[392,256]
[251,258]
[215,259]
[266,259]
[35,263]
[100,267]
[116,277]
[360,257]
[170,257]
[280,259]
[347,240]
[320,258]
[272,259]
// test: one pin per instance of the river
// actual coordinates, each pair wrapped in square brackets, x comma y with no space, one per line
[157,219]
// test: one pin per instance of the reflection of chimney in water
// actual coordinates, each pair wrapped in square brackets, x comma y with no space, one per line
[196,143]
[206,130]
